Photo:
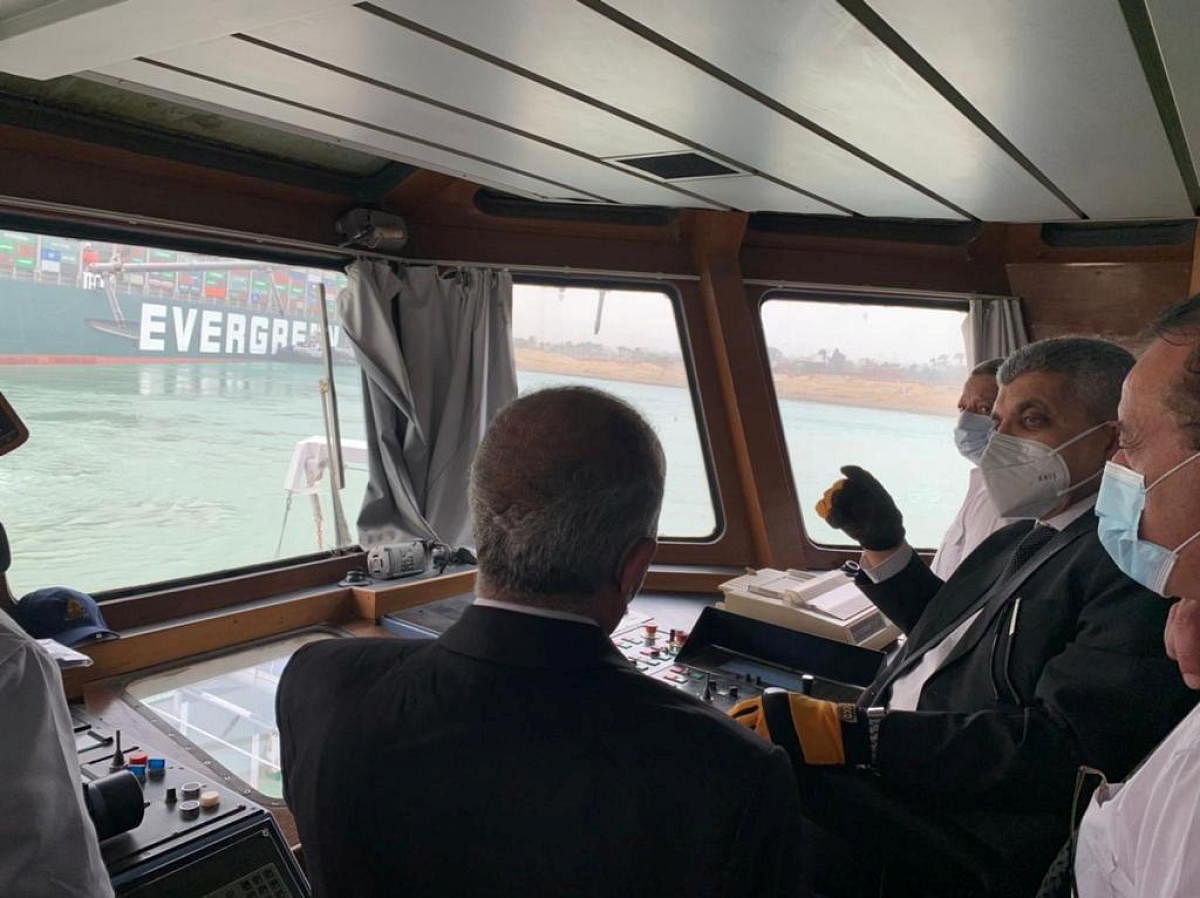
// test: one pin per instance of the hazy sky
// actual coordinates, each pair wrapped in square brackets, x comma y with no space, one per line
[645,320]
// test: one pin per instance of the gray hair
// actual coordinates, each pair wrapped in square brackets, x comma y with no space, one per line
[565,481]
[1094,368]
[989,368]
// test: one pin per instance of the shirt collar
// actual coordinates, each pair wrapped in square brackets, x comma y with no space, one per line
[1065,519]
[552,613]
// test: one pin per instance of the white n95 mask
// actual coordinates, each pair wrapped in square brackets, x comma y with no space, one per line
[1119,507]
[1026,478]
[971,435]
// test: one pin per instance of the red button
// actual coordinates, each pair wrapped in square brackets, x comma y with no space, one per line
[651,630]
[138,757]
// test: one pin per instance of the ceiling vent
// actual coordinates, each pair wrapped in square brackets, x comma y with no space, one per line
[677,166]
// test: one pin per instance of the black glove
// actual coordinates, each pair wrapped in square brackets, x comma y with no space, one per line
[859,506]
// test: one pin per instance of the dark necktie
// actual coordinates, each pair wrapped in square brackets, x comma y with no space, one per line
[1029,545]
[1025,549]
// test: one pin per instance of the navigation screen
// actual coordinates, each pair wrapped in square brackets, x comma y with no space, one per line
[225,706]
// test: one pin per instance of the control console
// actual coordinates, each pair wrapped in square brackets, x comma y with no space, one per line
[168,830]
[727,657]
[724,658]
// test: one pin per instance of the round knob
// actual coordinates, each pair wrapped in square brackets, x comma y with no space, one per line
[189,810]
[210,798]
[191,790]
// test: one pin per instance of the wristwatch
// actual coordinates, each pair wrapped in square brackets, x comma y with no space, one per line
[874,719]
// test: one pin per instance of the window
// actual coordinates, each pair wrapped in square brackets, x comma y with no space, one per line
[627,342]
[225,706]
[166,394]
[875,386]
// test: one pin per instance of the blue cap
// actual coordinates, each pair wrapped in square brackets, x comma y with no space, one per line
[61,613]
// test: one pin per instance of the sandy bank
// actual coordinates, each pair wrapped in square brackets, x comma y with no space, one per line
[838,389]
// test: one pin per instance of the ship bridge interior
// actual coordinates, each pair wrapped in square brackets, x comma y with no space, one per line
[777,227]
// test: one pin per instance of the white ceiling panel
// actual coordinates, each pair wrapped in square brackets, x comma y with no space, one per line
[186,89]
[361,43]
[815,58]
[240,63]
[576,47]
[46,40]
[754,194]
[1063,82]
[1177,29]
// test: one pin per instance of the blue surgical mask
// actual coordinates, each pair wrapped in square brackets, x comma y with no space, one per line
[1119,507]
[971,435]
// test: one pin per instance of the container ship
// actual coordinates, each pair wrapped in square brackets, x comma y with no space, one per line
[65,302]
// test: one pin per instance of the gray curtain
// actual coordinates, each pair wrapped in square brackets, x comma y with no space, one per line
[437,361]
[994,328]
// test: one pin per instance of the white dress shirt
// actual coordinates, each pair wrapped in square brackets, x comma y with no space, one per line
[977,519]
[48,846]
[534,611]
[906,690]
[1142,837]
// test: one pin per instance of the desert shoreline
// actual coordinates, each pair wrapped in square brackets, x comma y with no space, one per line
[830,389]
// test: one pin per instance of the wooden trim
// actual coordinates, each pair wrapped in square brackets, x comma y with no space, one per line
[692,580]
[179,640]
[183,637]
[162,605]
[738,349]
[373,602]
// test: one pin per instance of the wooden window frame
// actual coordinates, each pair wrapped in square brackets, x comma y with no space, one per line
[808,552]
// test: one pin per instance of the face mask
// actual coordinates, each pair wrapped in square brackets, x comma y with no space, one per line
[1119,507]
[1026,478]
[972,434]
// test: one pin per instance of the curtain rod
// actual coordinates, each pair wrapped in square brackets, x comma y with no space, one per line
[166,227]
[175,228]
[565,270]
[914,292]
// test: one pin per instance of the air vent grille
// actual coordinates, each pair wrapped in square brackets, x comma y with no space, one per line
[675,166]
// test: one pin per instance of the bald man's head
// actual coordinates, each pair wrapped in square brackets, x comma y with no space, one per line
[565,483]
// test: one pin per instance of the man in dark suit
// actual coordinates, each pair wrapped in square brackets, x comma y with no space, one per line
[520,754]
[1037,655]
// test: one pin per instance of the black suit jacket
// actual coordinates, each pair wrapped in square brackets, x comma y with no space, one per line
[1065,666]
[520,755]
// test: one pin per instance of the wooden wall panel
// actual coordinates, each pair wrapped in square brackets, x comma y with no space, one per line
[36,166]
[1110,299]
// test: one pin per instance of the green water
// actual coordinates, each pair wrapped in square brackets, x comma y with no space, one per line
[139,473]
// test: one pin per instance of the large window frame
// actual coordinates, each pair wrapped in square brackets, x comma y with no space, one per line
[154,603]
[672,294]
[209,590]
[811,553]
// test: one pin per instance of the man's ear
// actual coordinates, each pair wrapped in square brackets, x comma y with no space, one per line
[635,564]
[1112,430]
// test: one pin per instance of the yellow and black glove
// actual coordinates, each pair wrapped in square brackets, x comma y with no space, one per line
[859,506]
[812,731]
